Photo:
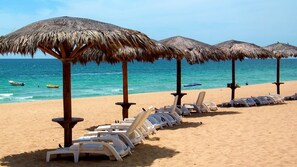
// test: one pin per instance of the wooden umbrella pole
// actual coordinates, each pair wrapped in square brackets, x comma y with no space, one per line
[233,86]
[125,104]
[67,103]
[278,75]
[125,88]
[178,81]
[67,89]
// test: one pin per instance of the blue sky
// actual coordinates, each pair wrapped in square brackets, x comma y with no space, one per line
[262,22]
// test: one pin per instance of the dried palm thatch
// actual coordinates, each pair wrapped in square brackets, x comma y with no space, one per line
[81,40]
[69,37]
[127,54]
[198,52]
[195,52]
[239,50]
[130,54]
[282,50]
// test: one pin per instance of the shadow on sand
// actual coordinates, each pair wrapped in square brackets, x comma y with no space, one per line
[186,124]
[212,114]
[142,155]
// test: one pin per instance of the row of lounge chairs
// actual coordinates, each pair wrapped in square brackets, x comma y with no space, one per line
[200,106]
[117,139]
[254,101]
[292,97]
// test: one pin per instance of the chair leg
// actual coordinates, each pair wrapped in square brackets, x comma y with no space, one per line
[76,156]
[48,157]
[112,158]
[60,152]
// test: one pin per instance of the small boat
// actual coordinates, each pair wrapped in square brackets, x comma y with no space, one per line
[14,83]
[192,84]
[52,86]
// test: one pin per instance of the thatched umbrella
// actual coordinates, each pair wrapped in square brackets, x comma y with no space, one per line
[238,50]
[67,38]
[281,50]
[139,55]
[196,52]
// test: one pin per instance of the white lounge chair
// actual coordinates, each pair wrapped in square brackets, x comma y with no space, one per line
[171,111]
[266,100]
[146,129]
[170,121]
[132,133]
[240,102]
[113,147]
[199,106]
[292,97]
[161,121]
[184,111]
[155,122]
[277,98]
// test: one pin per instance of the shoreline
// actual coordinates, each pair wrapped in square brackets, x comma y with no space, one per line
[167,91]
[265,134]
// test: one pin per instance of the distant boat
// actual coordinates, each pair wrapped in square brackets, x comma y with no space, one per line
[192,84]
[14,83]
[52,86]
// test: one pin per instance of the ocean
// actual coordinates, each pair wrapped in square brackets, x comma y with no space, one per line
[106,79]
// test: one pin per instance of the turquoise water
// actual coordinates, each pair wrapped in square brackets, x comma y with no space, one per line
[106,79]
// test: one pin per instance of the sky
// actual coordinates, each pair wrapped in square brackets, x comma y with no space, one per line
[262,22]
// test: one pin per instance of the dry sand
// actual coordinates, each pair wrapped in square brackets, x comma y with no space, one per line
[254,136]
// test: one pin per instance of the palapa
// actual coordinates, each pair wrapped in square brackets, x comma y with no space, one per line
[238,50]
[281,50]
[67,39]
[139,55]
[196,52]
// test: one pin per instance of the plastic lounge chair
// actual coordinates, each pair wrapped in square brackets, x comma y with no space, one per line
[292,97]
[132,132]
[168,118]
[211,106]
[258,101]
[271,99]
[246,102]
[239,102]
[251,102]
[199,106]
[62,151]
[277,98]
[160,120]
[266,100]
[225,104]
[172,111]
[146,129]
[155,122]
[173,117]
[184,110]
[113,147]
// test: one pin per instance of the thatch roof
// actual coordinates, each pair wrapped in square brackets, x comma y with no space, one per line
[282,50]
[198,52]
[129,54]
[240,50]
[70,37]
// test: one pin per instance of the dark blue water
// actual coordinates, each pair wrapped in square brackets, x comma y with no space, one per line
[106,79]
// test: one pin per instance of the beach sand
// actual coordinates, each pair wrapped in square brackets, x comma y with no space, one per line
[255,136]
